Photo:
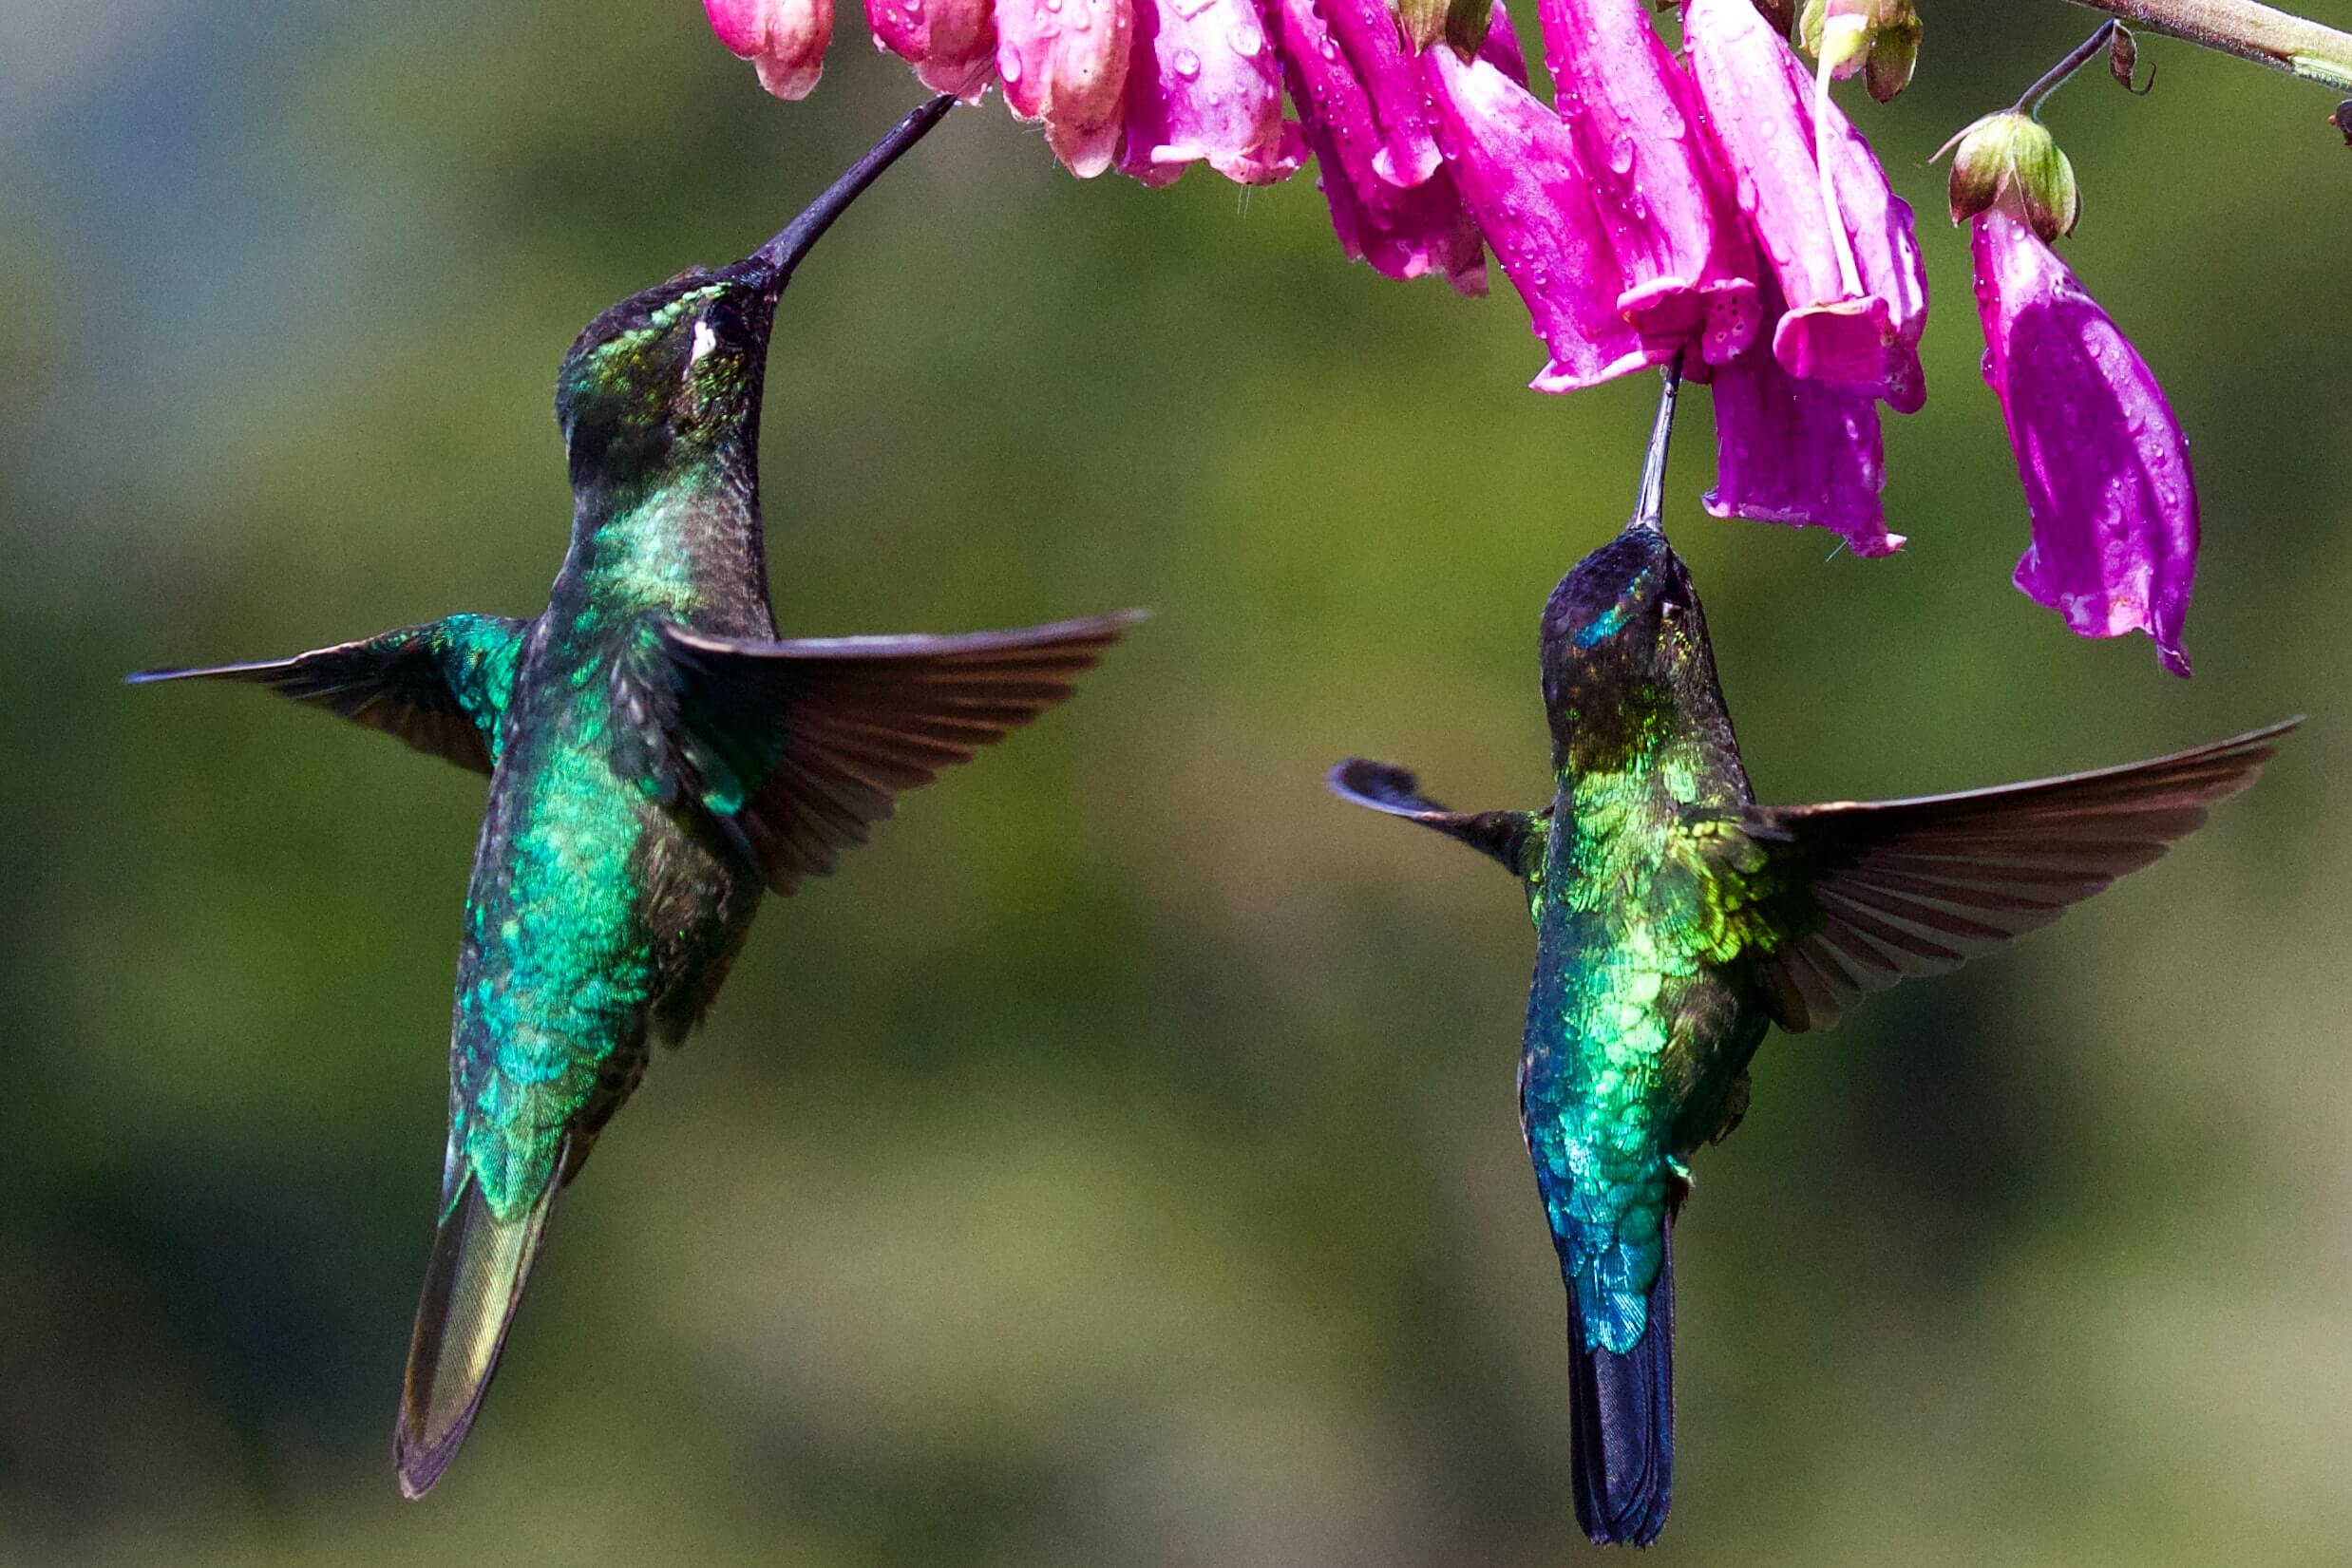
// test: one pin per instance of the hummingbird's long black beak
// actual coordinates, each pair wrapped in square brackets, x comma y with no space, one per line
[784,252]
[1649,507]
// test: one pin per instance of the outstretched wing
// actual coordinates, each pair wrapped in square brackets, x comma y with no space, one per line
[1384,787]
[442,687]
[1832,902]
[802,745]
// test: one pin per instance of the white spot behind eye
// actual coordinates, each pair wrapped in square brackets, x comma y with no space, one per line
[705,340]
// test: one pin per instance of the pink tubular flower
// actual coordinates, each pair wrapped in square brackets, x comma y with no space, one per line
[2108,487]
[1689,271]
[1515,162]
[1400,230]
[1857,290]
[784,40]
[1202,82]
[952,43]
[1064,62]
[1799,452]
[1367,34]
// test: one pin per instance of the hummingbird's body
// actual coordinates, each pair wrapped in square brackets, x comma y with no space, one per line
[657,760]
[1676,921]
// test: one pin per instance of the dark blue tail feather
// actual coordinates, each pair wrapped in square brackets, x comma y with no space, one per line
[1622,1439]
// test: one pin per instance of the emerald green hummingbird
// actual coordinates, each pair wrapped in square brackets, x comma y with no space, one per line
[1676,921]
[657,760]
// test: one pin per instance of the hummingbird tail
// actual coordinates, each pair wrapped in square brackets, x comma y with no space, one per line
[1622,1436]
[472,1284]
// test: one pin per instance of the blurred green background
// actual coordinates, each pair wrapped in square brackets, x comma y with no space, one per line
[1117,1164]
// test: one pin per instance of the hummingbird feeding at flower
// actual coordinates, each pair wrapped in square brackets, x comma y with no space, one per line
[657,760]
[1676,919]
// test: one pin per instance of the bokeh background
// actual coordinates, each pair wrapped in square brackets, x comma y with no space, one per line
[1117,1162]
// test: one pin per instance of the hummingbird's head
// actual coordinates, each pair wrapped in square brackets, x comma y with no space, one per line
[1620,637]
[676,367]
[672,373]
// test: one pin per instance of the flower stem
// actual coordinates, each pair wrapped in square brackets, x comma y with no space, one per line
[2029,102]
[2250,32]
[1850,275]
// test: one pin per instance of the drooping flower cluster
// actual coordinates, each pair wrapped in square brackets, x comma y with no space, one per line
[1148,86]
[1713,209]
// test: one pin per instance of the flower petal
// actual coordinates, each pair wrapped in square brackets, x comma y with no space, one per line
[2108,485]
[1065,62]
[784,40]
[1516,165]
[1794,451]
[952,43]
[1202,84]
[1399,233]
[1689,268]
[1406,152]
[1757,101]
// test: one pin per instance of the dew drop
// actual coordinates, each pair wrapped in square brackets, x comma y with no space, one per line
[1621,154]
[1247,40]
[1185,63]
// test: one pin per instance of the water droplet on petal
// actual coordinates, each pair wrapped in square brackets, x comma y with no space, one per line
[1621,154]
[1185,63]
[1247,39]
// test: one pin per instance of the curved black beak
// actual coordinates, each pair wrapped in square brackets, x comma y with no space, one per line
[780,255]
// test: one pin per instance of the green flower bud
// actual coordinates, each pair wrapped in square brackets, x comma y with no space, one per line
[1878,39]
[1894,51]
[1423,21]
[2008,161]
[1461,23]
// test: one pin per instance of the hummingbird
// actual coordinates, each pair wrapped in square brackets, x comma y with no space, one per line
[657,760]
[1676,921]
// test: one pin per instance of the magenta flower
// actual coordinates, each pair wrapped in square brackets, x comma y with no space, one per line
[1689,269]
[1515,161]
[1401,231]
[1406,153]
[1204,85]
[784,40]
[1065,62]
[2108,486]
[1799,452]
[952,43]
[1857,288]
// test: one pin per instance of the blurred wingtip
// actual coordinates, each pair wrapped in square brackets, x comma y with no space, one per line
[1382,786]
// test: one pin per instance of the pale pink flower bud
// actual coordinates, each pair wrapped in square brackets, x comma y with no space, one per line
[952,43]
[784,40]
[1065,62]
